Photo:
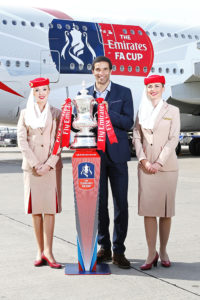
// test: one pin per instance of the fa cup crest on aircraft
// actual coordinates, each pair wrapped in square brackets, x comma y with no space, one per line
[76,45]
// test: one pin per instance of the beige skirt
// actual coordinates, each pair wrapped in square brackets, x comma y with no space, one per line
[156,193]
[42,194]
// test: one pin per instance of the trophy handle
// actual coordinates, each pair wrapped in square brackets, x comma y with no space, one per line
[92,103]
[95,116]
[75,107]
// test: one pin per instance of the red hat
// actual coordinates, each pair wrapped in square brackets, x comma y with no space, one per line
[154,78]
[38,82]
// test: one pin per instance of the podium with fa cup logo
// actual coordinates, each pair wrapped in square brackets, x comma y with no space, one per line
[86,177]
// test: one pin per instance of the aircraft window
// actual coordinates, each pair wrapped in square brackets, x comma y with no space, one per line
[4,22]
[41,24]
[67,26]
[189,36]
[124,31]
[176,35]
[23,23]
[148,33]
[59,26]
[155,33]
[27,64]
[72,66]
[84,28]
[8,63]
[14,22]
[114,68]
[132,31]
[129,68]
[167,70]
[152,69]
[183,36]
[181,71]
[161,33]
[169,34]
[196,37]
[81,67]
[139,32]
[33,24]
[51,25]
[137,69]
[160,70]
[44,61]
[17,63]
[174,70]
[145,69]
[89,67]
[121,68]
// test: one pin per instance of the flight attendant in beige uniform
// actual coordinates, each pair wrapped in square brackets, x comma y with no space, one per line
[155,136]
[37,129]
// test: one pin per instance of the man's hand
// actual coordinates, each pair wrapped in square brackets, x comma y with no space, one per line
[106,104]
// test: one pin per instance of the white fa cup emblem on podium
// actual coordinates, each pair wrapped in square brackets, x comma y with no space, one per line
[85,121]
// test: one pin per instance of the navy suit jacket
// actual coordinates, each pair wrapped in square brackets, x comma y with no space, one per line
[120,110]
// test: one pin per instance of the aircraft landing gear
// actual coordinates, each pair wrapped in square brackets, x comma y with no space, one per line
[178,149]
[194,146]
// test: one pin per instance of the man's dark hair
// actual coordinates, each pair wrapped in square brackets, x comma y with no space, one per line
[102,58]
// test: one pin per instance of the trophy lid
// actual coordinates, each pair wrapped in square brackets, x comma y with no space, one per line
[83,93]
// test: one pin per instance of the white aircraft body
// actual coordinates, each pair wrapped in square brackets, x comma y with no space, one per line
[48,43]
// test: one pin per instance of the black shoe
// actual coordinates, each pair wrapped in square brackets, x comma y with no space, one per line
[121,261]
[104,255]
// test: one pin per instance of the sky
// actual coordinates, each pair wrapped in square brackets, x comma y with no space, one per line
[173,11]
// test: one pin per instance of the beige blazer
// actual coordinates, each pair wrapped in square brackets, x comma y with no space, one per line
[159,144]
[36,145]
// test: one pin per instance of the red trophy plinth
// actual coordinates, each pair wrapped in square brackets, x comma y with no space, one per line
[86,175]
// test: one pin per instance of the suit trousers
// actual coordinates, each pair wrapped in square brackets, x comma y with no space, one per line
[117,173]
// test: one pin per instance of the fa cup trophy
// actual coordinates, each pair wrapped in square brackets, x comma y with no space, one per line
[84,120]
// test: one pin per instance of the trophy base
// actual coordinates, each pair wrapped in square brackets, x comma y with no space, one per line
[82,142]
[101,269]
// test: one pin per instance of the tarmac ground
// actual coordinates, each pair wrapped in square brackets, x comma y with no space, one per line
[20,280]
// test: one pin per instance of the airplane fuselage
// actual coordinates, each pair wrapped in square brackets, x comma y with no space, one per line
[50,44]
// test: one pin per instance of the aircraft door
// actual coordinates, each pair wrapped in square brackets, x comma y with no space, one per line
[48,67]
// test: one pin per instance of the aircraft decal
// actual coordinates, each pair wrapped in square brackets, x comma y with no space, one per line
[9,90]
[129,48]
[78,43]
[76,47]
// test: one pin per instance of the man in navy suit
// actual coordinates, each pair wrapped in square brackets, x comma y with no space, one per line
[119,104]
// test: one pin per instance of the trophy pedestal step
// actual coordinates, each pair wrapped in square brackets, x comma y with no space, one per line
[82,142]
[73,269]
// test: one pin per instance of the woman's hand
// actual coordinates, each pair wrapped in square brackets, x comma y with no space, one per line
[38,166]
[44,169]
[147,166]
[156,167]
[35,168]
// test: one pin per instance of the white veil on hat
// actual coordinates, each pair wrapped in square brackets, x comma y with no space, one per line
[147,113]
[33,116]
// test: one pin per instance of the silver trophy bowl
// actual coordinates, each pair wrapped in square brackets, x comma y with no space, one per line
[84,121]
